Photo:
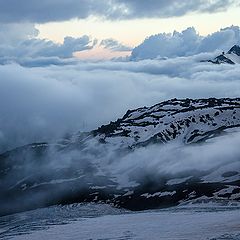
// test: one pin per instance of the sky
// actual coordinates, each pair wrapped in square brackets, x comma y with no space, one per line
[126,23]
[60,70]
[131,32]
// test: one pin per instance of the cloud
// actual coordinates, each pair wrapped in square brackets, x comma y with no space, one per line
[22,46]
[162,8]
[221,40]
[176,160]
[114,45]
[11,33]
[186,43]
[60,10]
[44,103]
[48,10]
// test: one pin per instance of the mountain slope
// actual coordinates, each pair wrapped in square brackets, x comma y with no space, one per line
[130,162]
[189,121]
[231,57]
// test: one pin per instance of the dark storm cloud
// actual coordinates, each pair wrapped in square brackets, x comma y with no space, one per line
[60,10]
[48,10]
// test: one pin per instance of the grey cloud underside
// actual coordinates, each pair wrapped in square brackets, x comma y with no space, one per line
[162,8]
[59,10]
[45,11]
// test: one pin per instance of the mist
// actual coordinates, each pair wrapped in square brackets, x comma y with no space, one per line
[99,167]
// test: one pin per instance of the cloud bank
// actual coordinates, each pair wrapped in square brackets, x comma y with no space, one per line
[60,10]
[44,103]
[186,43]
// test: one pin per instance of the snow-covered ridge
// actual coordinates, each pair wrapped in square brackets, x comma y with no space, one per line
[231,57]
[188,121]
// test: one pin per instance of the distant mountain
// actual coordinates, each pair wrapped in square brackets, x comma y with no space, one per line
[231,57]
[83,168]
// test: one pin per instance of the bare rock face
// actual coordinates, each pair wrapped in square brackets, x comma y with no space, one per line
[102,165]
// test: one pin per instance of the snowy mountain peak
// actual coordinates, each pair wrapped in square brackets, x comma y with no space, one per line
[188,121]
[231,57]
[235,50]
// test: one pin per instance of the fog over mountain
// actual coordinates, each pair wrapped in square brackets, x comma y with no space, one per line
[46,92]
[43,103]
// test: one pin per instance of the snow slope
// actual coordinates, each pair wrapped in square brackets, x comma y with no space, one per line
[171,224]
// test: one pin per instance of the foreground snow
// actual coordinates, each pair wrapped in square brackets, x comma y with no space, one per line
[109,223]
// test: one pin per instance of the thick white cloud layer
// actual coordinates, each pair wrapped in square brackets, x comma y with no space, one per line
[186,43]
[38,104]
[59,10]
